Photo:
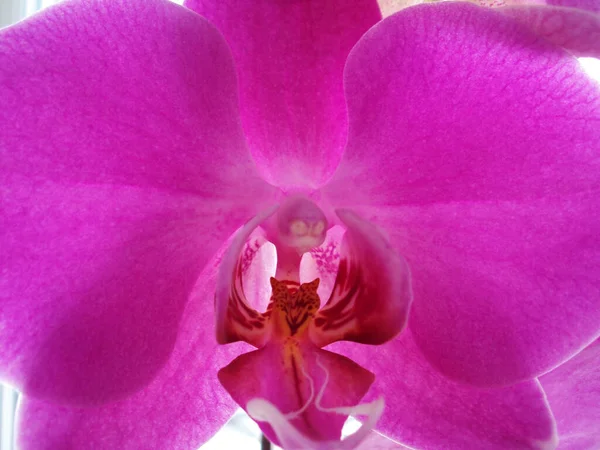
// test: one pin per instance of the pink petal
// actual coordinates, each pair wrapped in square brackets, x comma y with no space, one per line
[573,391]
[290,57]
[372,292]
[236,319]
[281,377]
[180,409]
[575,30]
[389,7]
[123,170]
[476,145]
[323,262]
[376,441]
[425,410]
[260,259]
[590,5]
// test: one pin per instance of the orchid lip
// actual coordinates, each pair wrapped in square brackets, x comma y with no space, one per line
[262,410]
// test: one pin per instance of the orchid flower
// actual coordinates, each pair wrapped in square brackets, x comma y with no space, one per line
[299,174]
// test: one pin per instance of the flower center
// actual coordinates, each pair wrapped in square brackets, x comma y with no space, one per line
[367,299]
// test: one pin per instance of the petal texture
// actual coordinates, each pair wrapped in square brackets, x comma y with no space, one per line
[290,58]
[280,375]
[573,29]
[389,7]
[573,391]
[426,410]
[475,144]
[123,169]
[179,410]
[590,5]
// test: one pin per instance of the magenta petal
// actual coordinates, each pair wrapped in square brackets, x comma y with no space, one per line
[281,375]
[575,30]
[290,57]
[476,124]
[372,292]
[476,146]
[180,409]
[376,441]
[573,391]
[323,262]
[590,5]
[426,410]
[123,168]
[236,319]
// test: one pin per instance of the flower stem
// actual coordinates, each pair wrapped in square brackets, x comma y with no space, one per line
[265,444]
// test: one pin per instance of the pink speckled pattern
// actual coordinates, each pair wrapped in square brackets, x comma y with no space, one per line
[124,168]
[487,182]
[290,56]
